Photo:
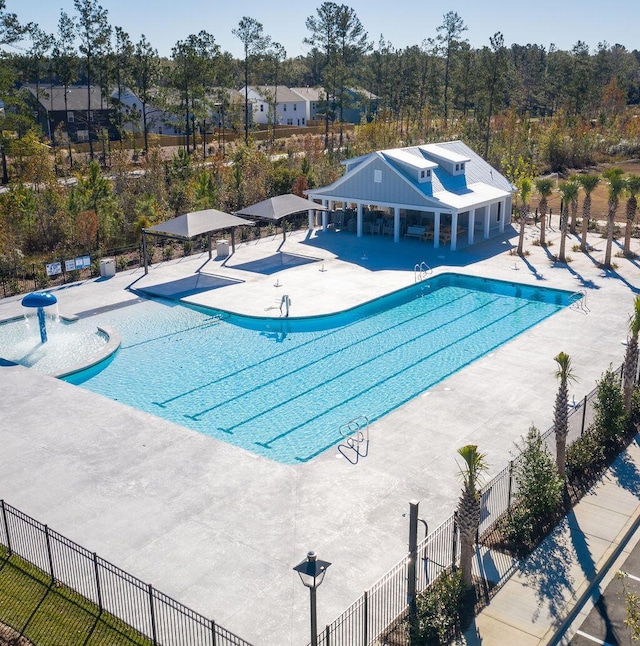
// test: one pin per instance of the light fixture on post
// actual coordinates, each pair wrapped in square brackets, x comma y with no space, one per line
[312,572]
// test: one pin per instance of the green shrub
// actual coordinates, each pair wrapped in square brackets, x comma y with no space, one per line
[585,457]
[167,252]
[438,611]
[610,416]
[122,263]
[539,490]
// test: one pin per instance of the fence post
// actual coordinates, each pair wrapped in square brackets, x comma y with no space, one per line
[454,546]
[6,528]
[48,541]
[213,632]
[327,636]
[97,572]
[510,491]
[154,637]
[413,554]
[584,414]
[365,632]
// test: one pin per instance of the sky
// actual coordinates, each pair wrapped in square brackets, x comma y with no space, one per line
[402,22]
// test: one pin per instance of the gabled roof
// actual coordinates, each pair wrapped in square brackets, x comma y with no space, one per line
[478,184]
[285,95]
[405,157]
[310,93]
[52,98]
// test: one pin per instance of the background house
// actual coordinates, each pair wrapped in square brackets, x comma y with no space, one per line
[290,107]
[73,118]
[314,98]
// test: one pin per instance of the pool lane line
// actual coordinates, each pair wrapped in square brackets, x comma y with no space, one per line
[412,320]
[298,348]
[377,383]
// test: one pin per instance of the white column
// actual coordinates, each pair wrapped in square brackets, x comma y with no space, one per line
[312,213]
[502,206]
[472,224]
[454,230]
[436,230]
[325,220]
[359,220]
[396,224]
[487,220]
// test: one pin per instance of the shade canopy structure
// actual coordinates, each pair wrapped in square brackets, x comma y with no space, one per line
[190,225]
[275,209]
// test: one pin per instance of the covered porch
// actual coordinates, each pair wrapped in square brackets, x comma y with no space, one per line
[434,226]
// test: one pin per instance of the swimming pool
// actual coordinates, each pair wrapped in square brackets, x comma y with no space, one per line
[282,388]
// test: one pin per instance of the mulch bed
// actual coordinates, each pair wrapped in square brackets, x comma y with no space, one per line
[10,637]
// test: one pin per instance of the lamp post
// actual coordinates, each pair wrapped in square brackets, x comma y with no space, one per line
[312,572]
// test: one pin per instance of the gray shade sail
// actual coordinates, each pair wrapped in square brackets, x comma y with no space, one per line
[276,208]
[197,223]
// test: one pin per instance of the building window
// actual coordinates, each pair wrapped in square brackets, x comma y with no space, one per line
[295,107]
[461,166]
[457,167]
[313,106]
[289,122]
[262,107]
[303,121]
[70,117]
[422,174]
[284,107]
[377,176]
[428,173]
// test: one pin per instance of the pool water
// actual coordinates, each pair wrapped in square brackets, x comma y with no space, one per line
[283,388]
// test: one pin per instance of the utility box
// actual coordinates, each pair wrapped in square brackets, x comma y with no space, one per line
[107,267]
[222,248]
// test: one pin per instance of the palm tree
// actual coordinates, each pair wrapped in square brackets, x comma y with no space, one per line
[561,410]
[588,183]
[468,513]
[569,191]
[524,192]
[544,186]
[632,188]
[574,205]
[631,355]
[616,188]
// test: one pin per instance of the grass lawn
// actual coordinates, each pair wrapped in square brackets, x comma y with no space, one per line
[54,615]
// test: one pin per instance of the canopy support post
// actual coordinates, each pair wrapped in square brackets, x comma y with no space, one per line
[209,237]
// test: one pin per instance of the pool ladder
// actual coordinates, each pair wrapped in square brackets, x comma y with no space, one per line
[421,271]
[356,434]
[579,301]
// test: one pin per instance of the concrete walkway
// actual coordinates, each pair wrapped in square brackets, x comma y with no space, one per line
[219,528]
[548,595]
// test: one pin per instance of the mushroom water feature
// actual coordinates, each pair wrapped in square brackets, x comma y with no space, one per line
[40,300]
[66,346]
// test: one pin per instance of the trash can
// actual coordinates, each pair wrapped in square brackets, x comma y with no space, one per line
[107,267]
[222,248]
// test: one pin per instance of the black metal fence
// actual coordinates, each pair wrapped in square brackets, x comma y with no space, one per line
[377,616]
[151,612]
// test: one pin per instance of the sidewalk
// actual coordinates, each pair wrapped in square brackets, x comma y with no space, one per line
[544,600]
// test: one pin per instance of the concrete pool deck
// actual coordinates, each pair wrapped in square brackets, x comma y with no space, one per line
[219,528]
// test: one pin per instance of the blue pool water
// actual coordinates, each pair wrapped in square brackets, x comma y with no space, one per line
[283,388]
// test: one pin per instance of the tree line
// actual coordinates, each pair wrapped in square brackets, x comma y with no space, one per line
[526,109]
[436,84]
